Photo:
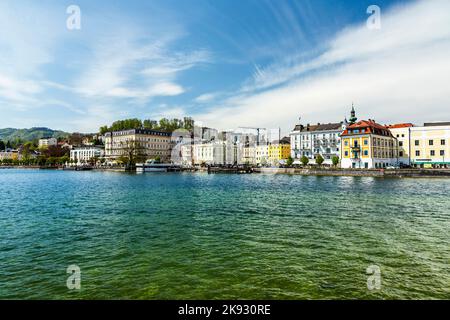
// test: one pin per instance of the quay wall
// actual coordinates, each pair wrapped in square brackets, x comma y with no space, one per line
[400,173]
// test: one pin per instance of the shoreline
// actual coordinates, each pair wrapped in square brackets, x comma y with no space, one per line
[376,173]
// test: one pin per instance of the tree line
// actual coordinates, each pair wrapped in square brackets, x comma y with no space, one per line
[164,124]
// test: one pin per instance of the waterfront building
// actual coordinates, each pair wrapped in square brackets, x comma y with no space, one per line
[10,154]
[278,151]
[142,143]
[262,154]
[45,142]
[430,145]
[249,155]
[367,144]
[210,153]
[402,132]
[313,140]
[84,155]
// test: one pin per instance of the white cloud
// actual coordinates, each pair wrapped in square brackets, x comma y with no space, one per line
[165,111]
[396,74]
[207,97]
[124,67]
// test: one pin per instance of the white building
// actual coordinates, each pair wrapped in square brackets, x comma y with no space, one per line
[84,155]
[402,132]
[211,153]
[45,142]
[312,140]
[262,154]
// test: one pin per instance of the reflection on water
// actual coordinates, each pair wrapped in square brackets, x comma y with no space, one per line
[169,236]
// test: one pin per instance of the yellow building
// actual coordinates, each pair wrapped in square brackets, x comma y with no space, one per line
[278,150]
[367,144]
[430,145]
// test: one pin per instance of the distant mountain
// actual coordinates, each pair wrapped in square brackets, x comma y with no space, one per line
[11,134]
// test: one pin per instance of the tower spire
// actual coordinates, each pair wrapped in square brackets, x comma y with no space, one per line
[353,117]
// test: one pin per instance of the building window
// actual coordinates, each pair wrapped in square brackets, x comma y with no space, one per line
[400,153]
[442,142]
[432,153]
[398,136]
[403,135]
[346,143]
[430,142]
[442,152]
[400,143]
[366,142]
[346,153]
[417,153]
[366,165]
[366,152]
[416,142]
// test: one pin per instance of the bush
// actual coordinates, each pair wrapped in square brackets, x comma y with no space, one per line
[335,160]
[304,160]
[289,161]
[319,159]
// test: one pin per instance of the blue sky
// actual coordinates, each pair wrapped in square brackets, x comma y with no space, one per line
[227,63]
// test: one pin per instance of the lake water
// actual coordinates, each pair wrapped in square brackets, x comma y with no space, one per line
[200,236]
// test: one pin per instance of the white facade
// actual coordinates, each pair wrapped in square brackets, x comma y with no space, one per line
[84,155]
[312,140]
[212,153]
[47,142]
[403,135]
[262,154]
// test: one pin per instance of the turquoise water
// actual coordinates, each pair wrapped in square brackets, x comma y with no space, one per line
[199,236]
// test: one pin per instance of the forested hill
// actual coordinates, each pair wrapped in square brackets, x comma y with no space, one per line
[11,134]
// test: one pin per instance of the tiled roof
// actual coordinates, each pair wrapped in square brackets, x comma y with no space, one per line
[399,125]
[370,126]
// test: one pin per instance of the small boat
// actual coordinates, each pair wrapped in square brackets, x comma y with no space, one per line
[154,166]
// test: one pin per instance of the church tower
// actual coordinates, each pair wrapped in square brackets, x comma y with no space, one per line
[353,117]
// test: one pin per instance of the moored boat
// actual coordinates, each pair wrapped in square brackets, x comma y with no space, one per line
[154,166]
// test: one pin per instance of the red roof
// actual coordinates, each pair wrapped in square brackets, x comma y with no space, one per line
[399,125]
[370,126]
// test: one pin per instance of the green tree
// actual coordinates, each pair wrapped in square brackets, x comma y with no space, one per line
[2,145]
[64,159]
[319,159]
[304,160]
[103,130]
[27,148]
[133,152]
[188,123]
[8,145]
[150,124]
[289,161]
[335,160]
